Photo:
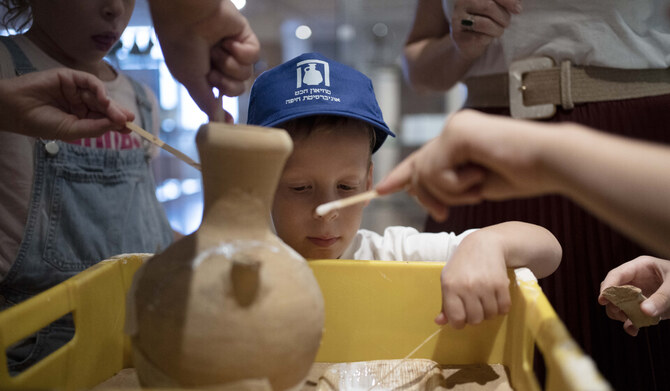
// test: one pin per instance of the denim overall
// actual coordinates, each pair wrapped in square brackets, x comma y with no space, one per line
[86,205]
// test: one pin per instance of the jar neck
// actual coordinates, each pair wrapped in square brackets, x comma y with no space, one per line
[235,209]
[241,168]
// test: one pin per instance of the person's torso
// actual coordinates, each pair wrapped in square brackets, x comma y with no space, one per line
[72,205]
[627,34]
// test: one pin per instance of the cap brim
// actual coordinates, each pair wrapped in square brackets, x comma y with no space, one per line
[382,130]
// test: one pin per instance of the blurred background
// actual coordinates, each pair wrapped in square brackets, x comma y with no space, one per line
[365,34]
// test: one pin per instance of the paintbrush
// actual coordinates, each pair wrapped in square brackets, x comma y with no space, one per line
[160,143]
[328,207]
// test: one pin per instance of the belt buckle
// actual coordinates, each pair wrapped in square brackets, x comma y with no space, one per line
[516,88]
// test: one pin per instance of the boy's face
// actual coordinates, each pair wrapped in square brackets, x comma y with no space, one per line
[324,166]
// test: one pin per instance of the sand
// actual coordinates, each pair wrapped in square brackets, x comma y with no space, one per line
[411,375]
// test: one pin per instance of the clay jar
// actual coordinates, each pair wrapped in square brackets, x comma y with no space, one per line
[230,301]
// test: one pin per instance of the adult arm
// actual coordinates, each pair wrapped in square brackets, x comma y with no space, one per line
[478,156]
[206,44]
[438,53]
[59,104]
[475,285]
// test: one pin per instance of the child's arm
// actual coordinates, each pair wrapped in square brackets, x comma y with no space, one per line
[475,285]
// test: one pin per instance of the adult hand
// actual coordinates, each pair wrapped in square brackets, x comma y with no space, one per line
[483,157]
[476,157]
[59,104]
[475,23]
[208,44]
[652,276]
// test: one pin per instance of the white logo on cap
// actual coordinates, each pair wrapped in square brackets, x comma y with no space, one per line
[310,75]
[312,83]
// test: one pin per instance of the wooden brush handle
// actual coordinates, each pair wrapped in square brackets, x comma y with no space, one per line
[160,143]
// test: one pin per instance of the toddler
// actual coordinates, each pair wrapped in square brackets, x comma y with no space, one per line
[64,206]
[332,115]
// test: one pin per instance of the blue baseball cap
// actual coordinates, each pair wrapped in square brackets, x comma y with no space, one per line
[312,84]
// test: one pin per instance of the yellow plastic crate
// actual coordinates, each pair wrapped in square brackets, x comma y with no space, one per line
[374,310]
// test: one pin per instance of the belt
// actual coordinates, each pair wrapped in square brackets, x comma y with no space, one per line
[533,87]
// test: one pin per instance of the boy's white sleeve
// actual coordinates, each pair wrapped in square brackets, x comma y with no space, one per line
[404,244]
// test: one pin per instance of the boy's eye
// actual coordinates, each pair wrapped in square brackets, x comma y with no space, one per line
[346,187]
[300,189]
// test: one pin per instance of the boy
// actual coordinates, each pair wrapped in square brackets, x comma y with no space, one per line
[332,115]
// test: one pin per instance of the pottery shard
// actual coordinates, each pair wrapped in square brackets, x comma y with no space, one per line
[628,299]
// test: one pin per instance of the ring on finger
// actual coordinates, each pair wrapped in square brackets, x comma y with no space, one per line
[468,23]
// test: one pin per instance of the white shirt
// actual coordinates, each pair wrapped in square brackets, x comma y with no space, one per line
[403,244]
[626,34]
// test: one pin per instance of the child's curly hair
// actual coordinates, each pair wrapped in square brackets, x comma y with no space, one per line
[18,14]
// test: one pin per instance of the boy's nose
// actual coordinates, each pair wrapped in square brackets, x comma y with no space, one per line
[325,197]
[327,217]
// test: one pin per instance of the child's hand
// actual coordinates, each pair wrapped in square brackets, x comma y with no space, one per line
[652,276]
[475,285]
[59,104]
